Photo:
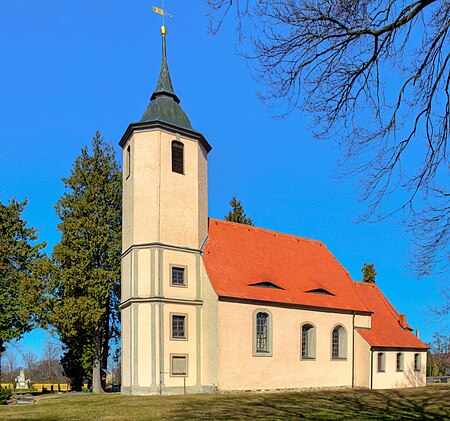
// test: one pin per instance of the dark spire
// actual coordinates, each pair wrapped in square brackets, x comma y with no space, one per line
[164,85]
[164,104]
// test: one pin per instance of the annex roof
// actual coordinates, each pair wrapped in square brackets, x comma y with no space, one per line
[243,262]
[387,330]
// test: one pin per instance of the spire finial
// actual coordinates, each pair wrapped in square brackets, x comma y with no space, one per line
[163,39]
[164,103]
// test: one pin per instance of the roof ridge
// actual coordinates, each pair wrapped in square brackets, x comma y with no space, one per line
[281,234]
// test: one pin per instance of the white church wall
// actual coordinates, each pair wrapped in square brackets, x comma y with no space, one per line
[239,369]
[391,378]
[363,321]
[186,347]
[210,332]
[186,261]
[144,361]
[362,361]
[126,348]
[143,272]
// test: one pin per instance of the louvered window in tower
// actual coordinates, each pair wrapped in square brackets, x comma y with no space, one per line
[177,157]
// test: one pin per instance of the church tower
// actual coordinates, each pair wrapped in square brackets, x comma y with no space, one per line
[165,223]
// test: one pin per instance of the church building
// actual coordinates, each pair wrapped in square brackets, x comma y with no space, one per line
[209,305]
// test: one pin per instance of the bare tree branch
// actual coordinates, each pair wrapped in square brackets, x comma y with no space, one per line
[375,76]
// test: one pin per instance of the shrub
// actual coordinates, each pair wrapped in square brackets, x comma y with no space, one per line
[5,394]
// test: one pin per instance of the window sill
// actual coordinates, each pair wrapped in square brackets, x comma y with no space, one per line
[178,339]
[262,354]
[308,358]
[381,371]
[339,359]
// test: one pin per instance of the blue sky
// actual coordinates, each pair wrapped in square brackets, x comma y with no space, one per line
[69,68]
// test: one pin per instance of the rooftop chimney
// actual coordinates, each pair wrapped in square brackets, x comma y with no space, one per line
[402,321]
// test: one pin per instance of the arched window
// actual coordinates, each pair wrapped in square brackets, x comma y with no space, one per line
[381,361]
[177,157]
[399,361]
[262,333]
[417,362]
[338,343]
[308,341]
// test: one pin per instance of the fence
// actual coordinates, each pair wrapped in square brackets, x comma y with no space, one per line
[438,379]
[42,387]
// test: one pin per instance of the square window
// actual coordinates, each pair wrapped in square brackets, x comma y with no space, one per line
[178,277]
[178,365]
[178,326]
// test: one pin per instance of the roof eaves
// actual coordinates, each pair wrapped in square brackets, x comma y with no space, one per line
[285,304]
[145,125]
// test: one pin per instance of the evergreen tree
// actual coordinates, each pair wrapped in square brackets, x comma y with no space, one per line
[19,257]
[84,291]
[369,273]
[237,214]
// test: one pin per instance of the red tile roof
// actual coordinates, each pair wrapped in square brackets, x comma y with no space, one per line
[237,256]
[386,331]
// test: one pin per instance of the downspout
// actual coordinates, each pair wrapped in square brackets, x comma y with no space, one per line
[353,351]
[371,368]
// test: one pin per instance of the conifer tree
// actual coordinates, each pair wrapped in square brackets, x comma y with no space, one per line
[19,257]
[369,273]
[85,287]
[237,214]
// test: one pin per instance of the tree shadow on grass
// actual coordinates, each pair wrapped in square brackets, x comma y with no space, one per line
[406,404]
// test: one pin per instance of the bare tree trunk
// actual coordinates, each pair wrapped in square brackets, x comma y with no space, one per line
[97,366]
[105,344]
[97,376]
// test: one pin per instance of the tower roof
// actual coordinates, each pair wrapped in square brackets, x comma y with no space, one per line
[164,104]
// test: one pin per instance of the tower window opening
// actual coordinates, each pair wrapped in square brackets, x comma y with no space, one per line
[177,157]
[179,365]
[178,276]
[179,326]
[128,162]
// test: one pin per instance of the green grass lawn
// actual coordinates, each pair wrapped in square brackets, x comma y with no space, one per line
[432,402]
